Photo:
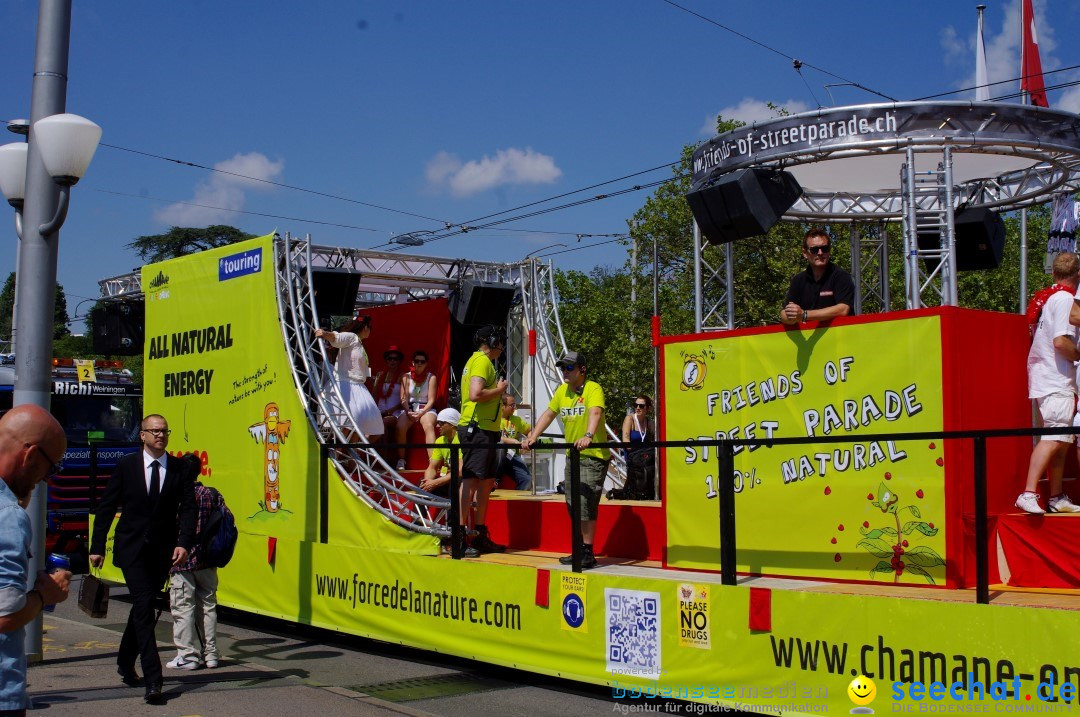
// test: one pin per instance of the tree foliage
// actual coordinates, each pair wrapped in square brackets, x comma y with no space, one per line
[181,241]
[7,306]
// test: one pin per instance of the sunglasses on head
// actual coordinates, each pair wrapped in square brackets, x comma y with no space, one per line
[823,249]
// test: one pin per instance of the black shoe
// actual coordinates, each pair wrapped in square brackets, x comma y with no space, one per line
[484,544]
[129,677]
[588,560]
[153,694]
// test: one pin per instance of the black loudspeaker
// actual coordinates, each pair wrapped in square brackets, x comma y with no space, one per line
[119,328]
[483,302]
[743,204]
[335,292]
[980,240]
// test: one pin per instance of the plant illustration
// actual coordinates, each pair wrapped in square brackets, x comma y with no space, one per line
[890,544]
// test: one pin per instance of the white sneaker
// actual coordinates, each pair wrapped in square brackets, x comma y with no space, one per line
[1029,503]
[401,464]
[211,663]
[179,663]
[1062,504]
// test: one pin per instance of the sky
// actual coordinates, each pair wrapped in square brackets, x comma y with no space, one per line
[414,115]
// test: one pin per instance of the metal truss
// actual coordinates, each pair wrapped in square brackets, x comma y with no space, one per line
[119,286]
[928,200]
[717,300]
[363,470]
[870,267]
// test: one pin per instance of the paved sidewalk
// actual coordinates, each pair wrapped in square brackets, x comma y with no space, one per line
[78,674]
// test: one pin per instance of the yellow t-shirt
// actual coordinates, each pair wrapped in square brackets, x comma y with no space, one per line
[514,427]
[443,454]
[484,413]
[573,411]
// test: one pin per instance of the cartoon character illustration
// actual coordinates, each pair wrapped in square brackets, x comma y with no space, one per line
[693,373]
[271,432]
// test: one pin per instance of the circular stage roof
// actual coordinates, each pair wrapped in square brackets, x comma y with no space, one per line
[848,160]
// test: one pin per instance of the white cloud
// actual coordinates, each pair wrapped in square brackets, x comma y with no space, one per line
[508,166]
[225,190]
[750,110]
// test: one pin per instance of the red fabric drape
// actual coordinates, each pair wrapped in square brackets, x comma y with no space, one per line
[1043,551]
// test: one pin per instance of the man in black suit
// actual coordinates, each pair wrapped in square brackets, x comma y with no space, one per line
[155,530]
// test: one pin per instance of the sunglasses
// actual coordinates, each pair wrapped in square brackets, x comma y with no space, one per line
[823,249]
[419,361]
[156,431]
[54,466]
[567,367]
[640,405]
[393,358]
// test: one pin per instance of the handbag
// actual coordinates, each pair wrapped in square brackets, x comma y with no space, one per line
[94,596]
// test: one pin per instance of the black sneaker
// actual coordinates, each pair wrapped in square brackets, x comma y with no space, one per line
[484,544]
[588,560]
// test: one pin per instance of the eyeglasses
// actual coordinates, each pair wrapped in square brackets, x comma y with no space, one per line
[822,249]
[54,466]
[156,431]
[393,358]
[641,405]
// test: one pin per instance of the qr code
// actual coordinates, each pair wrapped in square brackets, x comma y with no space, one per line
[633,632]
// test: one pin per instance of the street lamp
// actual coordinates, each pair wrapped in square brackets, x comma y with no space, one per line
[59,151]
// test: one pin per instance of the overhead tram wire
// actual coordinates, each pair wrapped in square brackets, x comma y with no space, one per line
[798,64]
[469,225]
[195,165]
[237,211]
[1001,82]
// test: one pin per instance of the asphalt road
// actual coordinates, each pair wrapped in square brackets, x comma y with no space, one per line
[272,668]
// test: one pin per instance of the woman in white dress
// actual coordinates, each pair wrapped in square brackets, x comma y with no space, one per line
[352,371]
[418,388]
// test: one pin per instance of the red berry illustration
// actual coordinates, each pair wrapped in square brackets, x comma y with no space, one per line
[836,558]
[888,475]
[933,446]
[828,490]
[840,527]
[930,524]
[940,461]
[919,493]
[904,543]
[833,541]
[866,524]
[869,496]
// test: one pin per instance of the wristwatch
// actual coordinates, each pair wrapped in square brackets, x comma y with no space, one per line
[588,434]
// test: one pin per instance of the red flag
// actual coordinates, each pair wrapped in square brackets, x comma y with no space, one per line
[1030,63]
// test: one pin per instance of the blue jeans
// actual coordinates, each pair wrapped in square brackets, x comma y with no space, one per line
[516,469]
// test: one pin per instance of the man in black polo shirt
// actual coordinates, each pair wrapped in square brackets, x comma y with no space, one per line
[822,292]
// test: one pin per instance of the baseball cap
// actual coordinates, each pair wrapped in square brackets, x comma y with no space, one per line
[393,350]
[448,415]
[572,358]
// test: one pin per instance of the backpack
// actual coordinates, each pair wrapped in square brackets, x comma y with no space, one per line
[218,536]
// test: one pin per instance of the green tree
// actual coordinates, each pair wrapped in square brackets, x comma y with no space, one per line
[181,241]
[7,305]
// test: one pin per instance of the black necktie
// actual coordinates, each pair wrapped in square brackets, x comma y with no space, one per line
[155,481]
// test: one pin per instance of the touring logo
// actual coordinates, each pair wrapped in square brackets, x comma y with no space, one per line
[159,287]
[248,262]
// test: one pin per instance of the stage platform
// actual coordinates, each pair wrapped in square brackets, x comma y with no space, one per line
[1000,595]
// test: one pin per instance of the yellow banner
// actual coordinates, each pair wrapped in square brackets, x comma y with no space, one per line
[865,510]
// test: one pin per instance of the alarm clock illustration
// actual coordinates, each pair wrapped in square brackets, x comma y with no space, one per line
[693,373]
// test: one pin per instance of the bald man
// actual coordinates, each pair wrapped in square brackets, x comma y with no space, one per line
[32,446]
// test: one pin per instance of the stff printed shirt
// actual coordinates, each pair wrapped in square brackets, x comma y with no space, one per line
[573,412]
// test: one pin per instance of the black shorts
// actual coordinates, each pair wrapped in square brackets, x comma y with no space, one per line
[479,454]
